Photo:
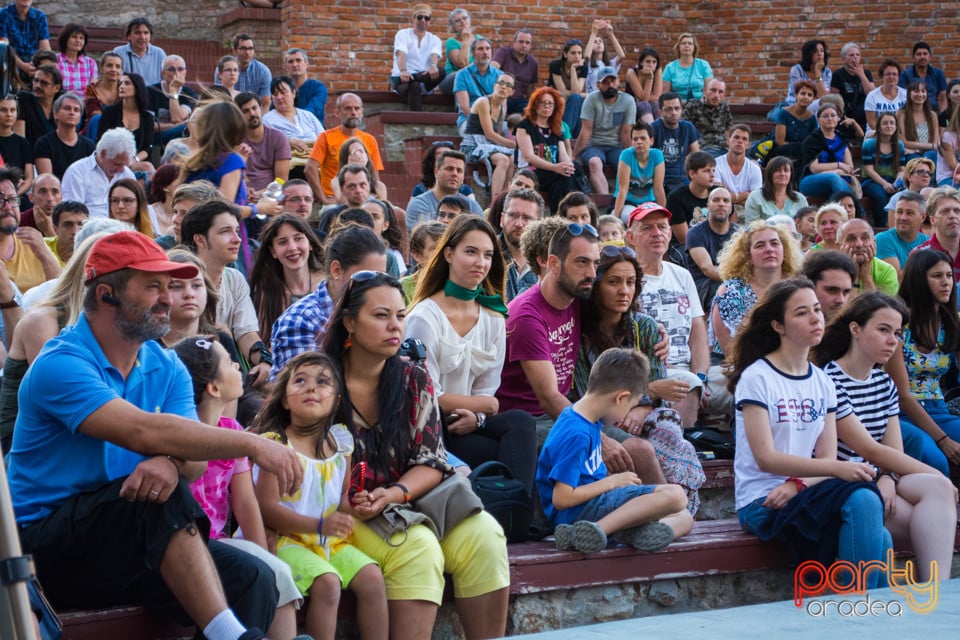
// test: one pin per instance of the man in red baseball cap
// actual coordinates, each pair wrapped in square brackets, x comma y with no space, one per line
[100,462]
[670,297]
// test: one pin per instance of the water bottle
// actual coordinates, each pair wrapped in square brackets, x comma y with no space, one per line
[274,192]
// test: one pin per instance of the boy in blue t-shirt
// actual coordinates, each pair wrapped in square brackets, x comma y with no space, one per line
[584,503]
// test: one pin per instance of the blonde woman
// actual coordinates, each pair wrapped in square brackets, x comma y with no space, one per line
[829,218]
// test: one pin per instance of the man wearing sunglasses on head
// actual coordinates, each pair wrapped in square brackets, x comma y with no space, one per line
[416,58]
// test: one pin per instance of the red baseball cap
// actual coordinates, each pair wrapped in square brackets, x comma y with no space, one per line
[132,250]
[646,209]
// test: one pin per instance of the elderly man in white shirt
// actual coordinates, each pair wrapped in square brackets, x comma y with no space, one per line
[416,58]
[88,180]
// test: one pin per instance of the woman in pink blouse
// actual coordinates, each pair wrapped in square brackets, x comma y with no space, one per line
[77,67]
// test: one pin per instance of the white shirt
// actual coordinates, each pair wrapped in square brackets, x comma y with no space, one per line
[672,300]
[749,178]
[418,50]
[878,103]
[465,365]
[306,127]
[84,181]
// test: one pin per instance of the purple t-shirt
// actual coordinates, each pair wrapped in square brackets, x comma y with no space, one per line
[273,147]
[537,331]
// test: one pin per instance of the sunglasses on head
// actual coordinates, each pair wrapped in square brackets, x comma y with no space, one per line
[574,41]
[612,251]
[442,143]
[576,230]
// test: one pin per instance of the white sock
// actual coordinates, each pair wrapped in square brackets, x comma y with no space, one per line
[224,626]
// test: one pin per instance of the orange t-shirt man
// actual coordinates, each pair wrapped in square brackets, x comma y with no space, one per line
[326,153]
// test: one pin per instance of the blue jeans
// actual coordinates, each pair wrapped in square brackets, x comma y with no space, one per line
[823,185]
[918,444]
[608,502]
[878,201]
[862,534]
[571,113]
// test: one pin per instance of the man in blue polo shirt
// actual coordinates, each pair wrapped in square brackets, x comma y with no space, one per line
[934,78]
[475,80]
[142,538]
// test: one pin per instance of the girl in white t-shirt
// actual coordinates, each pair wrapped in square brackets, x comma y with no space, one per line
[787,439]
[920,503]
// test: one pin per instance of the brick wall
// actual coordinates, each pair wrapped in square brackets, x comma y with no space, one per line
[751,44]
[191,20]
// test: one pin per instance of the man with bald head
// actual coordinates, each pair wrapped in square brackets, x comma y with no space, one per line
[171,99]
[704,242]
[45,196]
[856,239]
[324,159]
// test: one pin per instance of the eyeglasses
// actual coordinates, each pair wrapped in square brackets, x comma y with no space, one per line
[576,230]
[125,201]
[299,199]
[612,251]
[544,103]
[514,215]
[12,201]
[921,172]
[244,48]
[442,143]
[174,69]
[504,83]
[424,18]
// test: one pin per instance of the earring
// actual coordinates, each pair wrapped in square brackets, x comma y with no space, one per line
[348,342]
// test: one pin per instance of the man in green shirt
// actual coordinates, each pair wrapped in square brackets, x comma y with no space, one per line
[857,241]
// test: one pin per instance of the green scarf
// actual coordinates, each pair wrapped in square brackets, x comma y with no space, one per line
[494,303]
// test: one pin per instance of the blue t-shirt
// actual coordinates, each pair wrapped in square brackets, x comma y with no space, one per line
[882,162]
[641,179]
[50,460]
[674,144]
[570,455]
[476,85]
[687,82]
[891,245]
[797,129]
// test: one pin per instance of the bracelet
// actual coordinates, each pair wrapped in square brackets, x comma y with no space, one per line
[801,485]
[175,464]
[481,420]
[942,438]
[253,209]
[406,492]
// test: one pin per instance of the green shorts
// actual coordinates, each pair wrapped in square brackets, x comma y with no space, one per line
[346,561]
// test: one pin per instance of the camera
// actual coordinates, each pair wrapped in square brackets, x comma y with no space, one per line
[413,349]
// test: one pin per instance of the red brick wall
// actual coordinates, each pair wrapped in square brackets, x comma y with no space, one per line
[751,44]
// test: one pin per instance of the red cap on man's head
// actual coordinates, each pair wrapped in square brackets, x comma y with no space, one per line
[647,209]
[131,250]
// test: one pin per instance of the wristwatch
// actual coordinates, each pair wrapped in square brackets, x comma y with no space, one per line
[10,304]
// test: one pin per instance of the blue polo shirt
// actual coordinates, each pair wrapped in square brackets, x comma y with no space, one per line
[50,460]
[476,85]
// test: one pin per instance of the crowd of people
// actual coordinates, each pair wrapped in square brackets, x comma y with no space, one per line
[282,392]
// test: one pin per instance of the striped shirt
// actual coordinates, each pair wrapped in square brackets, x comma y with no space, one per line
[874,401]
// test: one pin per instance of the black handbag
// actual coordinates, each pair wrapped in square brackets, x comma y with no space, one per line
[504,497]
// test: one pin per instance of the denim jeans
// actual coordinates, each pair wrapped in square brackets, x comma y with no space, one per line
[918,444]
[862,534]
[822,185]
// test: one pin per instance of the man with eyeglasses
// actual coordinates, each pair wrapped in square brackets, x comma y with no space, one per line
[171,99]
[943,208]
[416,58]
[88,180]
[517,60]
[298,198]
[475,80]
[324,162]
[895,244]
[26,257]
[521,207]
[450,207]
[269,156]
[254,75]
[670,297]
[139,56]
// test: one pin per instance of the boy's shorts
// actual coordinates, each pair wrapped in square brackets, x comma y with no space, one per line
[612,500]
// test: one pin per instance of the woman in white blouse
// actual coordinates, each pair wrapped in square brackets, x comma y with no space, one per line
[459,314]
[299,125]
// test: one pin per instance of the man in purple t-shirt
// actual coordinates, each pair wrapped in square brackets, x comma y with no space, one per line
[269,149]
[543,340]
[520,63]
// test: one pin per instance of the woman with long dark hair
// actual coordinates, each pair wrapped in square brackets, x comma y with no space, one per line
[459,314]
[918,123]
[645,84]
[919,502]
[790,485]
[288,266]
[884,159]
[390,405]
[127,202]
[812,68]
[778,195]
[930,343]
[542,141]
[609,320]
[568,77]
[132,112]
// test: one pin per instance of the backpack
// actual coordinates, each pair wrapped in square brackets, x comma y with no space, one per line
[504,497]
[722,444]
